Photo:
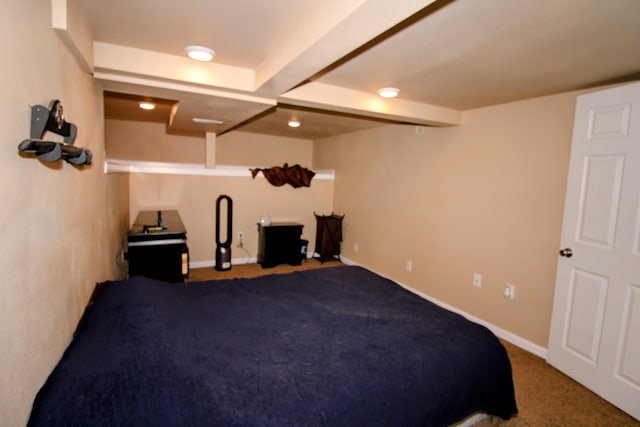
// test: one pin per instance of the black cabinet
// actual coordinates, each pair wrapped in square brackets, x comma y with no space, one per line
[280,243]
[157,246]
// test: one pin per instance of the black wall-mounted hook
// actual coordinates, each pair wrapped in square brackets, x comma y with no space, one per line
[43,120]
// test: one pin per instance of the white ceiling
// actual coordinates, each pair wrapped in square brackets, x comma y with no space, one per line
[332,55]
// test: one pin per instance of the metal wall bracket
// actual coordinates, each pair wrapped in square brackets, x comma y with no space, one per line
[44,119]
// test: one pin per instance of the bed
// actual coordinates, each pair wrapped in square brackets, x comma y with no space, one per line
[337,346]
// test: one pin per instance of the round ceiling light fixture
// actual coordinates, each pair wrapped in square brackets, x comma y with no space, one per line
[294,123]
[200,53]
[388,92]
[145,105]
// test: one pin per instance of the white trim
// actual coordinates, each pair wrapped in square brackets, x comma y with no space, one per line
[202,264]
[506,335]
[212,263]
[132,166]
[234,261]
[157,242]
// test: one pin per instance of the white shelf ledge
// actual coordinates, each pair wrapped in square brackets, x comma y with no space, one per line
[131,166]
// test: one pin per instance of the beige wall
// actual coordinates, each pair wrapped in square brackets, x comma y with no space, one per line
[61,226]
[146,141]
[486,197]
[195,198]
[252,149]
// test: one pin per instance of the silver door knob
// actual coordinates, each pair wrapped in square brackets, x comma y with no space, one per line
[567,252]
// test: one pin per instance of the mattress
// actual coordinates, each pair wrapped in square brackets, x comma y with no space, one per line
[337,346]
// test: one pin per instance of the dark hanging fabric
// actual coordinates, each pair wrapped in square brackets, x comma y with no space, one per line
[295,175]
[328,236]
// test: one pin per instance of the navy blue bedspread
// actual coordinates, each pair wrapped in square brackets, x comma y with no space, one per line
[336,346]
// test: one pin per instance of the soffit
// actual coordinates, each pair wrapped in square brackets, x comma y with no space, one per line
[445,56]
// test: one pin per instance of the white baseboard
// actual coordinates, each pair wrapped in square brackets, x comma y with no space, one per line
[234,261]
[212,263]
[499,332]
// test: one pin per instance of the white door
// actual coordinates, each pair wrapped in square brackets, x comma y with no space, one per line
[595,326]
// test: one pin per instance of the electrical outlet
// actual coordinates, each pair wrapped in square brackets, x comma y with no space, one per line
[356,248]
[509,292]
[477,280]
[240,239]
[409,266]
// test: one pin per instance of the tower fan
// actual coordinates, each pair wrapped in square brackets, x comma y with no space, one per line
[223,249]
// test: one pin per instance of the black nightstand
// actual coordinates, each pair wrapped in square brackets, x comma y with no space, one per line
[280,243]
[157,246]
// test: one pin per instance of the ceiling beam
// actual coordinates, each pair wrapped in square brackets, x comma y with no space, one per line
[326,38]
[128,61]
[72,26]
[334,98]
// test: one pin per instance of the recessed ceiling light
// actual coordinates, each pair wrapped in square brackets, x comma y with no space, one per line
[388,92]
[207,121]
[200,53]
[147,105]
[294,123]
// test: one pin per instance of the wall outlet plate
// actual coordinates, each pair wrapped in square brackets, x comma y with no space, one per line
[477,280]
[509,292]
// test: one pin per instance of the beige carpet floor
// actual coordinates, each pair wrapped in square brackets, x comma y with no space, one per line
[545,396]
